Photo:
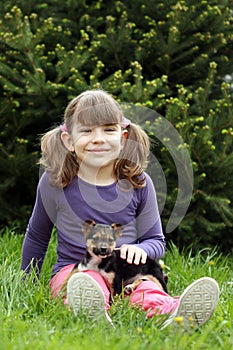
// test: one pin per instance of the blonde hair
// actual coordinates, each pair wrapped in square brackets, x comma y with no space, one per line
[94,107]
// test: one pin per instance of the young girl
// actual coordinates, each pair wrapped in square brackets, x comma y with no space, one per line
[94,169]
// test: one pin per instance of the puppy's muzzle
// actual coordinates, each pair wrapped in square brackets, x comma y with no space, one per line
[102,251]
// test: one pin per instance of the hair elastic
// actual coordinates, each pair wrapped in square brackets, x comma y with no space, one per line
[63,127]
[126,122]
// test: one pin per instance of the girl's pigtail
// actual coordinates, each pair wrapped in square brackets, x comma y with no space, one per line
[61,164]
[134,155]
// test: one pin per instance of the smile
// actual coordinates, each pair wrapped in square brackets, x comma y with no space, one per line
[100,150]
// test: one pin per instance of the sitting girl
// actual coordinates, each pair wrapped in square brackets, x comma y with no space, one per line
[95,169]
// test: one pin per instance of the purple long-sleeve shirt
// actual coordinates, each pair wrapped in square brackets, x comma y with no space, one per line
[135,209]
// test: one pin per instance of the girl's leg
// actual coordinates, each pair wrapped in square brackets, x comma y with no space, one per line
[197,303]
[58,281]
[86,291]
[152,299]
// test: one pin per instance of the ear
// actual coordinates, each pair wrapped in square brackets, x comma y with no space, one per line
[118,229]
[124,134]
[124,137]
[87,226]
[67,141]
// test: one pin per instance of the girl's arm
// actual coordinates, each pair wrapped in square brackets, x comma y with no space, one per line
[151,240]
[39,228]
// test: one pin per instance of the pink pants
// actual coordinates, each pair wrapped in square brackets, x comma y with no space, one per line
[147,295]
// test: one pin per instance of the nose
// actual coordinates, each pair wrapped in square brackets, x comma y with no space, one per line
[103,249]
[98,136]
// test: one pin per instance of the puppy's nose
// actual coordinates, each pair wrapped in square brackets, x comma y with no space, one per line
[103,249]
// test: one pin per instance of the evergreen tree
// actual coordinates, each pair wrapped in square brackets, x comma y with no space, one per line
[170,56]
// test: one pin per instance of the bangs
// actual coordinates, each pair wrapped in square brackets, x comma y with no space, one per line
[99,114]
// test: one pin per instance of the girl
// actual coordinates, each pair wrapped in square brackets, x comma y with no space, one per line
[94,169]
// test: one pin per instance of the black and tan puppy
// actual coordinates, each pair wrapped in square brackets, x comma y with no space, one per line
[102,256]
[100,244]
[129,276]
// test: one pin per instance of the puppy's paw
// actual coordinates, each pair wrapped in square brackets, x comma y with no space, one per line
[129,289]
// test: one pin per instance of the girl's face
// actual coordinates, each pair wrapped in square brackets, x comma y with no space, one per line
[97,146]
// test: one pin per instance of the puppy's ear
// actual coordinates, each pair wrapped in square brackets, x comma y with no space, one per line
[87,226]
[118,229]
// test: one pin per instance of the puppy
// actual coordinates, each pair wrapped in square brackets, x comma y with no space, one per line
[130,274]
[102,256]
[100,244]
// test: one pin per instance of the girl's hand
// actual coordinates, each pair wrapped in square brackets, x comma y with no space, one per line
[133,253]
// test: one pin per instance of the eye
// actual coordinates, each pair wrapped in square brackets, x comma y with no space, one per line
[110,128]
[85,131]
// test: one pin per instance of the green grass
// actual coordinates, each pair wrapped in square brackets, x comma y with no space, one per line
[30,320]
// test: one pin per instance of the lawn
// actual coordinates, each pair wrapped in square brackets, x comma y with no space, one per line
[30,320]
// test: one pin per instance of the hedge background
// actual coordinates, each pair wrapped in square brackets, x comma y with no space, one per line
[174,57]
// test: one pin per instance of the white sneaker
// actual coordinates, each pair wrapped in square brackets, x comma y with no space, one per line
[197,303]
[85,295]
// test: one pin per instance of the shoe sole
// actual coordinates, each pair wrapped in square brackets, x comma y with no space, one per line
[199,301]
[85,295]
